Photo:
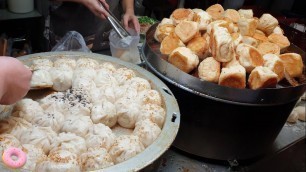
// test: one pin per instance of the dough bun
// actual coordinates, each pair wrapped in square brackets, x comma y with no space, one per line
[209,70]
[221,44]
[293,64]
[250,41]
[247,27]
[215,11]
[268,48]
[246,13]
[234,77]
[267,23]
[280,40]
[274,63]
[163,30]
[184,59]
[170,43]
[231,15]
[186,30]
[181,14]
[199,46]
[202,18]
[249,57]
[262,77]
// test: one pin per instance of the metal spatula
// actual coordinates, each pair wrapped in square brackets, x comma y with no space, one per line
[120,30]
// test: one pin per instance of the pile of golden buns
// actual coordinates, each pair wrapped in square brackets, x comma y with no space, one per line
[226,46]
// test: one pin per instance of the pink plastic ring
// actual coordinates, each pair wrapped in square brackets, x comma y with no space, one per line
[14,157]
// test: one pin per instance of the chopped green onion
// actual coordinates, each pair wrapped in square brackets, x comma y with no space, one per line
[146,20]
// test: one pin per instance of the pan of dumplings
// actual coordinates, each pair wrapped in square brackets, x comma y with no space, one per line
[90,112]
[236,78]
[230,56]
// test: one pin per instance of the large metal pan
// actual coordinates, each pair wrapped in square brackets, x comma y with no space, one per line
[172,121]
[220,122]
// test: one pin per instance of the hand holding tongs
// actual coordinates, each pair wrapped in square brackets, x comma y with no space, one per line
[120,30]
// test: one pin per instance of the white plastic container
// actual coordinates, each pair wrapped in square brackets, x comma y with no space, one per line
[20,6]
[125,49]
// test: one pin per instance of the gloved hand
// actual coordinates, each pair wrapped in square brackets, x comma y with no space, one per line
[15,80]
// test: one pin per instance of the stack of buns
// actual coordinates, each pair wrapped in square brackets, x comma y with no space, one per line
[228,47]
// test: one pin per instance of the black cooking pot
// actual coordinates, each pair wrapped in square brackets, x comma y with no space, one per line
[219,122]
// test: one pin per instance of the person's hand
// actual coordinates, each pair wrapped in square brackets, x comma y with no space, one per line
[15,80]
[94,7]
[131,21]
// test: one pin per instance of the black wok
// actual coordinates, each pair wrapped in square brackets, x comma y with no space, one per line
[220,122]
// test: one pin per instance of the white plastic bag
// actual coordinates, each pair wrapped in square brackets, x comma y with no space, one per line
[125,49]
[72,41]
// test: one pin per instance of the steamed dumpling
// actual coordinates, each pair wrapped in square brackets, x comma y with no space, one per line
[65,63]
[147,131]
[87,73]
[127,111]
[127,92]
[95,159]
[58,161]
[5,126]
[6,141]
[99,135]
[86,84]
[55,100]
[153,112]
[61,78]
[34,155]
[104,112]
[105,79]
[50,118]
[108,66]
[125,147]
[77,124]
[87,63]
[41,64]
[78,102]
[123,74]
[119,131]
[120,91]
[139,84]
[39,136]
[19,125]
[150,97]
[41,79]
[107,93]
[27,109]
[69,142]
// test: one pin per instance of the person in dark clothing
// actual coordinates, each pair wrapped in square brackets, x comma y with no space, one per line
[88,18]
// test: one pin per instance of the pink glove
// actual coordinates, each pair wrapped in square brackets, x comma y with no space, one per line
[15,80]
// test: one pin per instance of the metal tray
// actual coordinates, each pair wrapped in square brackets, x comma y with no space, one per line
[172,121]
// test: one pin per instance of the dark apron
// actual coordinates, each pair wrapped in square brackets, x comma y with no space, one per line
[71,16]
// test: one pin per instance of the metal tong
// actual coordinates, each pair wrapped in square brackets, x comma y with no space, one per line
[120,30]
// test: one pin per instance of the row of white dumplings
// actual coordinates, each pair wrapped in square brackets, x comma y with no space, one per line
[109,90]
[71,124]
[69,151]
[98,136]
[63,73]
